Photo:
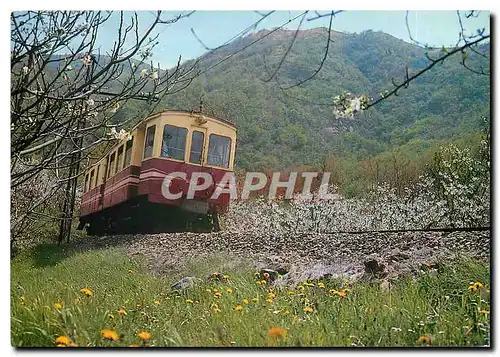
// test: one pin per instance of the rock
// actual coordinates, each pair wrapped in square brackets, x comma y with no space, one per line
[374,268]
[184,283]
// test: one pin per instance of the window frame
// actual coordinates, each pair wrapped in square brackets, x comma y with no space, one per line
[202,147]
[146,141]
[230,151]
[111,160]
[125,164]
[119,165]
[178,128]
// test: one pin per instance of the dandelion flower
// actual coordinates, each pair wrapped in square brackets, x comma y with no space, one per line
[261,282]
[122,311]
[189,301]
[484,312]
[157,302]
[269,301]
[109,335]
[276,332]
[87,292]
[217,294]
[308,309]
[229,290]
[238,308]
[144,335]
[58,305]
[63,340]
[342,293]
[321,285]
[225,277]
[424,339]
[255,299]
[245,301]
[478,285]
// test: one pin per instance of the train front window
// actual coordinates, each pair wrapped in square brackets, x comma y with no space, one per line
[174,142]
[197,141]
[128,152]
[149,142]
[219,148]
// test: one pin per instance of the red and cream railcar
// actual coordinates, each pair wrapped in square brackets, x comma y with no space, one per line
[123,191]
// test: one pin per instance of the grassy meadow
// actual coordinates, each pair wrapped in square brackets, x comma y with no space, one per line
[103,298]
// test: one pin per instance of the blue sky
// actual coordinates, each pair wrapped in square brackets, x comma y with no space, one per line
[214,28]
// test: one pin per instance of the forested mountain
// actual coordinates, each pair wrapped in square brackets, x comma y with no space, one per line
[287,128]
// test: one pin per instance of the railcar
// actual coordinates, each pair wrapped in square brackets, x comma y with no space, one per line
[122,192]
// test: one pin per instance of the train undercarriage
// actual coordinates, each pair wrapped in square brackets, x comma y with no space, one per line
[139,216]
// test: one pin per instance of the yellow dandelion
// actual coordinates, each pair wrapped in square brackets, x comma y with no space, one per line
[86,292]
[261,282]
[229,290]
[238,308]
[225,277]
[342,293]
[478,285]
[424,339]
[245,301]
[189,301]
[22,300]
[157,302]
[144,335]
[271,295]
[255,299]
[269,301]
[321,285]
[217,294]
[276,332]
[60,345]
[109,335]
[58,305]
[484,312]
[63,340]
[122,311]
[308,309]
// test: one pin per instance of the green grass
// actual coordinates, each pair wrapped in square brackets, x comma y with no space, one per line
[440,306]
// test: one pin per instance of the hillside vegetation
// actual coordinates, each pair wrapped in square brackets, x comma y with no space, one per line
[279,129]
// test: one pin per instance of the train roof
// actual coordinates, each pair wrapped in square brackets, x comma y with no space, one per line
[151,116]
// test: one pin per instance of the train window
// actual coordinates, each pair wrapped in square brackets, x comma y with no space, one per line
[97,175]
[91,186]
[128,152]
[219,148]
[119,165]
[150,139]
[111,165]
[174,142]
[86,187]
[197,141]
